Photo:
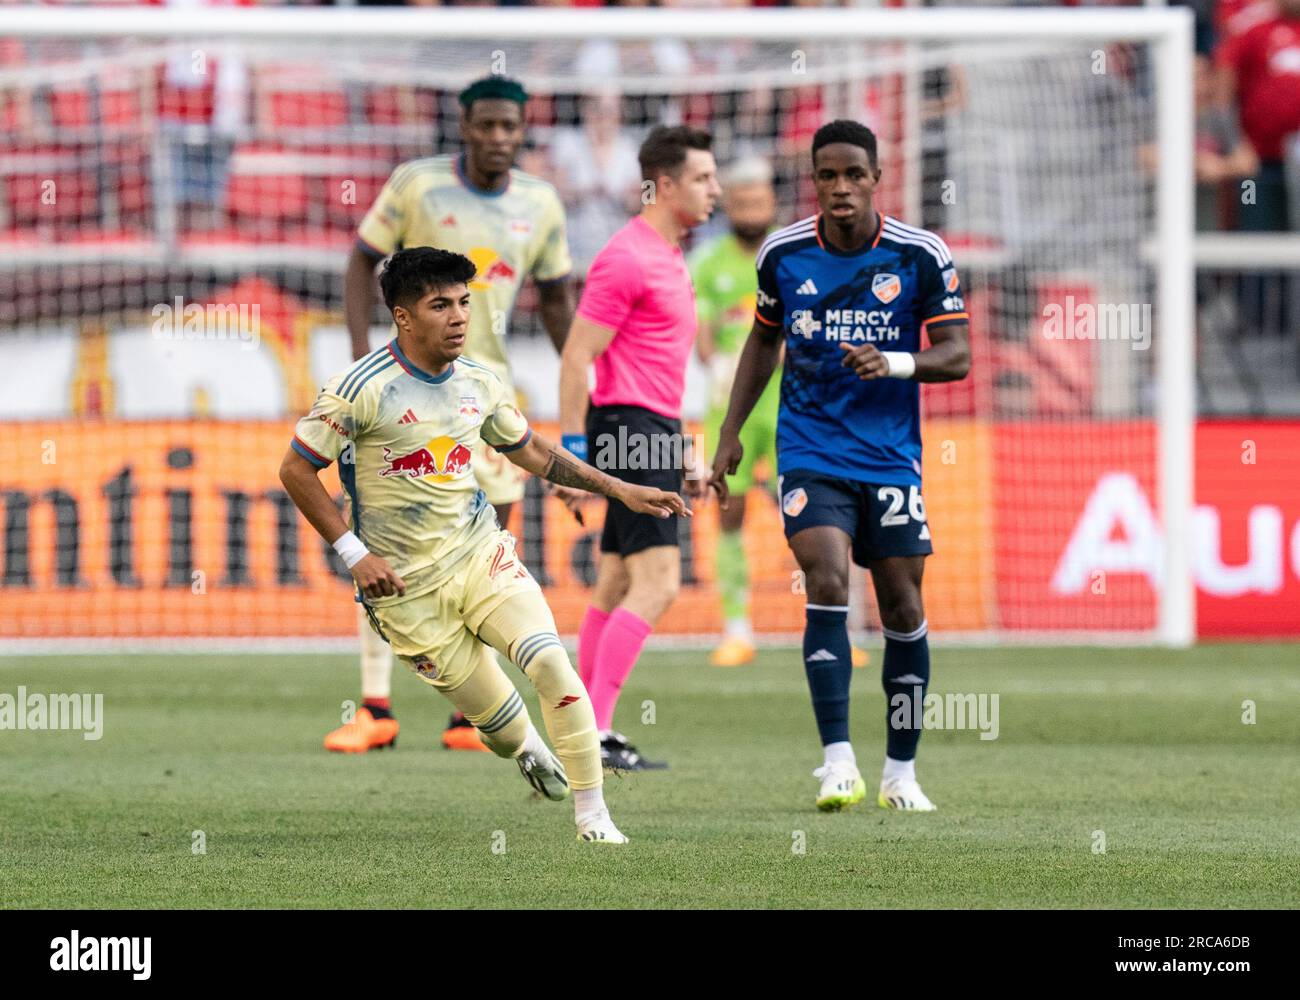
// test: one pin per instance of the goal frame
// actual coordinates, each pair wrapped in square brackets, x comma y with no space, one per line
[1167,30]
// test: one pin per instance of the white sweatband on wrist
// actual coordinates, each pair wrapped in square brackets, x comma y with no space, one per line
[901,364]
[350,549]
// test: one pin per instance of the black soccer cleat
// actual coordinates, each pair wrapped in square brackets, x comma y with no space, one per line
[617,754]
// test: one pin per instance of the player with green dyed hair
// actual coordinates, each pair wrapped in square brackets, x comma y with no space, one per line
[725,288]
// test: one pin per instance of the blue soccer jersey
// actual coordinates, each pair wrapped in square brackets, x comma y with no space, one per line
[831,421]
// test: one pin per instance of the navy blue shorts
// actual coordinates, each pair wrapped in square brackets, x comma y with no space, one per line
[883,521]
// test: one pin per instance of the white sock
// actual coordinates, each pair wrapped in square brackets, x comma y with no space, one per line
[533,743]
[588,803]
[899,770]
[376,660]
[837,753]
[739,628]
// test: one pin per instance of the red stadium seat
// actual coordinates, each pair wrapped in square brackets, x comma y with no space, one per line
[79,108]
[307,108]
[268,196]
[50,187]
[399,106]
[71,108]
[362,192]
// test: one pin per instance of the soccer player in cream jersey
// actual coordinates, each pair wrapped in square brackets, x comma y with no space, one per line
[437,576]
[511,225]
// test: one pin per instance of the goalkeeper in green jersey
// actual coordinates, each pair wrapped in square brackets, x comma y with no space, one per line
[725,288]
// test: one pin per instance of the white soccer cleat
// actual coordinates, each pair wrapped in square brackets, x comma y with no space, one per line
[904,794]
[600,829]
[545,774]
[842,786]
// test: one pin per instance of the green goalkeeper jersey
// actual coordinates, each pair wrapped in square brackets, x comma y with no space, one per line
[726,290]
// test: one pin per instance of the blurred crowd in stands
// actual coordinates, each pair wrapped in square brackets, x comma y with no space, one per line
[1247,156]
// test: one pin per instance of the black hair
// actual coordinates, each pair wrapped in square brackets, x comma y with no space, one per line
[410,274]
[489,88]
[844,130]
[664,149]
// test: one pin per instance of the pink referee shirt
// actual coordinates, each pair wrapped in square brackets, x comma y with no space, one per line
[639,287]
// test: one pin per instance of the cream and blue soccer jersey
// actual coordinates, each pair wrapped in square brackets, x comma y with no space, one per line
[404,440]
[831,421]
[508,234]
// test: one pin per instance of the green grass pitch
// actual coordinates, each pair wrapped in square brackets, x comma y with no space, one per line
[1197,808]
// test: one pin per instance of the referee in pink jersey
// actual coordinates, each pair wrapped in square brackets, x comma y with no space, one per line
[636,322]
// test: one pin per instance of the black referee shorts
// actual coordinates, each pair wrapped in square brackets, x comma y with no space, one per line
[638,446]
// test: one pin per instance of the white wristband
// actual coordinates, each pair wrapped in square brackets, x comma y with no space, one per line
[901,364]
[350,549]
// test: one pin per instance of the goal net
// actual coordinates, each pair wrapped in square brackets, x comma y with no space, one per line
[179,192]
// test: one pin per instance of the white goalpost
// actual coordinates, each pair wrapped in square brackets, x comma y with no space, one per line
[221,155]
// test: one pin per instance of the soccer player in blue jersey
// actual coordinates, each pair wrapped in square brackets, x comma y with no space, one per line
[849,291]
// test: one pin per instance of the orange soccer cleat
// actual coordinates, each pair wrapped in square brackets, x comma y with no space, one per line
[460,734]
[363,733]
[733,652]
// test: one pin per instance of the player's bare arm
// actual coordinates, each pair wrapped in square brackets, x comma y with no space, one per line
[758,360]
[947,359]
[301,480]
[556,465]
[359,298]
[705,342]
[555,305]
[586,342]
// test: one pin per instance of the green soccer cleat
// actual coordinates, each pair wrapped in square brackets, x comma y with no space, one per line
[842,786]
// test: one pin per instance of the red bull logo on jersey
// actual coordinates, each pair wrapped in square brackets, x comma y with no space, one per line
[492,269]
[441,460]
[886,287]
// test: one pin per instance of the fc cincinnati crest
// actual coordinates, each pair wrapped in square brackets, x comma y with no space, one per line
[886,287]
[469,407]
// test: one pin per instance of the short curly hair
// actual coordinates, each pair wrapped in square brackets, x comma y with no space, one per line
[845,130]
[411,273]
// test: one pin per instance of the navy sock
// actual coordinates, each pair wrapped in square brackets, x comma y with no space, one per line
[905,677]
[827,660]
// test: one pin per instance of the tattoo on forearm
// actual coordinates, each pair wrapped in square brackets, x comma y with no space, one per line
[563,471]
